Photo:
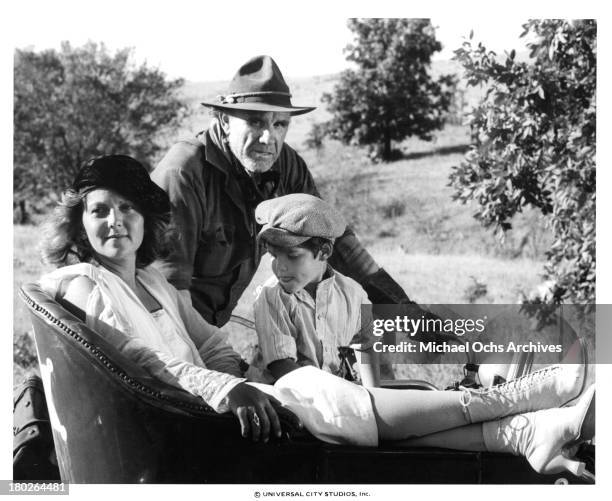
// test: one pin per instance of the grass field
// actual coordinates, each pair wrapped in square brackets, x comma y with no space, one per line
[403,213]
[401,210]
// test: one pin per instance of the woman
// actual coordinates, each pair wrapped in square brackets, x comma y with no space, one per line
[113,221]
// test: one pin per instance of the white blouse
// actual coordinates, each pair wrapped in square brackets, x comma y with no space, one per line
[331,408]
[159,342]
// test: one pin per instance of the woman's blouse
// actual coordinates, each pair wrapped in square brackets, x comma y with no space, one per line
[162,343]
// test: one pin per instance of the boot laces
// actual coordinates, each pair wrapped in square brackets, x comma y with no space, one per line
[504,390]
[524,382]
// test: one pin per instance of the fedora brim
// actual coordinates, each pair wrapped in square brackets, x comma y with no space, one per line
[293,110]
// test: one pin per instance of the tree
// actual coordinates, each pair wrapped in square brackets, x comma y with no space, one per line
[77,103]
[534,145]
[391,96]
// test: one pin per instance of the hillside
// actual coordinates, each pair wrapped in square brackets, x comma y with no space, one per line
[305,91]
[402,211]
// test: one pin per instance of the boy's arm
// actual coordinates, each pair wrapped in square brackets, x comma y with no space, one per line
[279,368]
[275,330]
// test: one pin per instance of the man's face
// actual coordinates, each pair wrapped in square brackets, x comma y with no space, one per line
[256,137]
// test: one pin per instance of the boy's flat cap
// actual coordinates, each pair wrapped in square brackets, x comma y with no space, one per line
[292,219]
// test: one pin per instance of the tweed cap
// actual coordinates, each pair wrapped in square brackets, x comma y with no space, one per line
[126,176]
[292,219]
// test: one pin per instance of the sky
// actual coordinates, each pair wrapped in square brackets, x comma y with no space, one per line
[206,41]
[201,43]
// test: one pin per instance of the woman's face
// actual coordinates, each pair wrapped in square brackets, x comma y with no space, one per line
[114,226]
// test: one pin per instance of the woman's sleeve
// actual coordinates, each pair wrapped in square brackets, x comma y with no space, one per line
[211,385]
[211,343]
[274,327]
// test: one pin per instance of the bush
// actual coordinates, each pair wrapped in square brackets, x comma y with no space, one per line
[534,145]
[393,209]
[78,103]
[391,95]
[315,137]
[24,351]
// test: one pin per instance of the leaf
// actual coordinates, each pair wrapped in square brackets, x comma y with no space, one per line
[539,141]
[85,102]
[392,95]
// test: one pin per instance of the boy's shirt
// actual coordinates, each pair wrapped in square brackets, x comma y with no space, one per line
[309,330]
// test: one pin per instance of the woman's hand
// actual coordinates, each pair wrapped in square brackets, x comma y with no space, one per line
[255,412]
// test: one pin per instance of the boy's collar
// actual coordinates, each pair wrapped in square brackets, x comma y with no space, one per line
[327,280]
[328,273]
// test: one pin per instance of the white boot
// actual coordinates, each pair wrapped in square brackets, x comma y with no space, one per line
[545,437]
[552,386]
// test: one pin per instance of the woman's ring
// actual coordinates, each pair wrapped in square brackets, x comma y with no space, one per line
[256,421]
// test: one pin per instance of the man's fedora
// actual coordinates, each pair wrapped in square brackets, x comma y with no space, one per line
[258,86]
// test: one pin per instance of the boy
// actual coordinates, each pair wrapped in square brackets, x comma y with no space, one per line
[309,311]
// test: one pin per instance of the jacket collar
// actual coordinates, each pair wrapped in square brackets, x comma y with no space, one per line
[217,152]
[219,156]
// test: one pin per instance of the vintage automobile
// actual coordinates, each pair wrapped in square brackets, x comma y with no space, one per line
[113,423]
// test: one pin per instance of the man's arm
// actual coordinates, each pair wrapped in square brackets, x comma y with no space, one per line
[350,257]
[176,175]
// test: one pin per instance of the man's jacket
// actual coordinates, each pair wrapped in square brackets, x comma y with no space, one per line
[216,252]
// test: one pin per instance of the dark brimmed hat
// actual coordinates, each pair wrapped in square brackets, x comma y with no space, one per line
[258,86]
[126,176]
[292,219]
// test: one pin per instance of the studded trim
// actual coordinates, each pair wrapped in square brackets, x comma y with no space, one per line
[109,365]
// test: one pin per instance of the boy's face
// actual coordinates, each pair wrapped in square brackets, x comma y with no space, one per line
[296,267]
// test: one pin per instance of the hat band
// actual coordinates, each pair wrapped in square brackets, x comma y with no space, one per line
[268,97]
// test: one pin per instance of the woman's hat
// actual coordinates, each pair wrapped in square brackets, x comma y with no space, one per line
[290,220]
[258,86]
[126,176]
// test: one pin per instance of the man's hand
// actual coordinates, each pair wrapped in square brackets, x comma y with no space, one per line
[255,411]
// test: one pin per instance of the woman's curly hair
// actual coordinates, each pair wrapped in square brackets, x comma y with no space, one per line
[65,240]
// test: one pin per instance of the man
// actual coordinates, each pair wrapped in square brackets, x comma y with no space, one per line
[215,182]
